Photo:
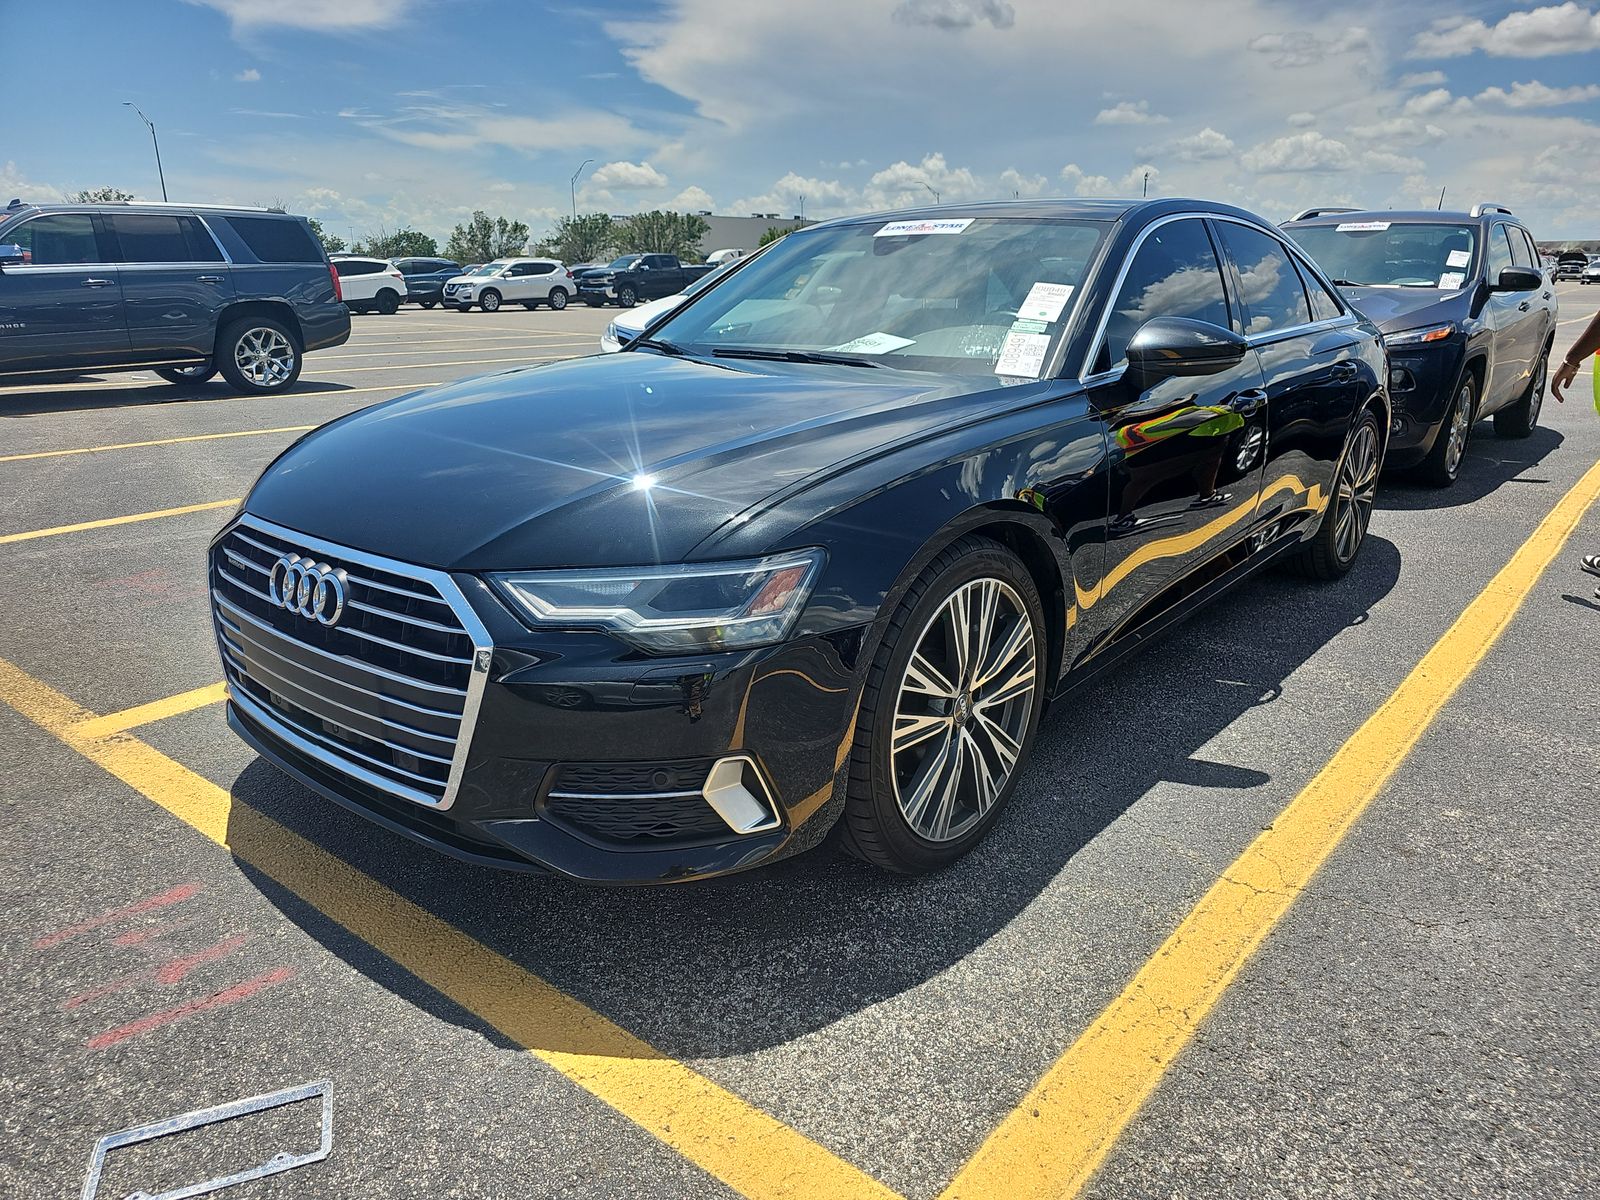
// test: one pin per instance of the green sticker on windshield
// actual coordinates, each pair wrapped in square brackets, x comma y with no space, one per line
[1021,326]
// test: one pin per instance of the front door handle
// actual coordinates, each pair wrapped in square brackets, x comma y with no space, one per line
[208,278]
[1344,372]
[1524,306]
[97,283]
[1248,402]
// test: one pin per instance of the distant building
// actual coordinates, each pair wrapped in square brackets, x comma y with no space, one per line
[742,233]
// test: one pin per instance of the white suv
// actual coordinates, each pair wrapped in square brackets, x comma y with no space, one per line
[525,281]
[370,283]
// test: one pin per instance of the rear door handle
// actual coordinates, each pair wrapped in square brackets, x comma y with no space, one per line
[97,283]
[1246,403]
[1343,372]
[208,278]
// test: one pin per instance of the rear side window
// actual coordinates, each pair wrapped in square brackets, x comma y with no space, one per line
[1174,274]
[356,266]
[57,240]
[162,238]
[1521,252]
[275,239]
[1269,284]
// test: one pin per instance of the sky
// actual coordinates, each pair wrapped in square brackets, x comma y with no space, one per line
[376,114]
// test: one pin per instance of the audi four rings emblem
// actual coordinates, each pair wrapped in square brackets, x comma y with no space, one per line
[312,589]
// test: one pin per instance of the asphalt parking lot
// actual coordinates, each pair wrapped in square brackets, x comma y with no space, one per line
[1276,911]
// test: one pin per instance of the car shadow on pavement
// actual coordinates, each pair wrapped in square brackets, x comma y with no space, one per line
[751,961]
[1491,462]
[88,396]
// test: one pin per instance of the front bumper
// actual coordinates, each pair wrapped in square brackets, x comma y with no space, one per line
[596,294]
[588,760]
[1422,381]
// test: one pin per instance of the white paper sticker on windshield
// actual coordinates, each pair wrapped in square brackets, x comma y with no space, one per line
[1362,226]
[1458,258]
[874,343]
[918,228]
[1022,354]
[1045,301]
[1451,280]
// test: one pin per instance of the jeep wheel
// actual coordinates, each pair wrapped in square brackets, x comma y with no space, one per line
[388,302]
[627,297]
[1443,463]
[1522,418]
[490,301]
[198,373]
[558,298]
[259,355]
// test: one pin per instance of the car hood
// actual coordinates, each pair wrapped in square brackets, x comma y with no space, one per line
[614,459]
[638,317]
[1394,309]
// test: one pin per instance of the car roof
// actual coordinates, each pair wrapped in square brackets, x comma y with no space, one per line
[1416,216]
[151,206]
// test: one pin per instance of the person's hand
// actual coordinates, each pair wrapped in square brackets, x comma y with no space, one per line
[1565,374]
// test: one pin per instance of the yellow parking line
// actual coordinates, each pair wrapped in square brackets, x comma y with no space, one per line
[156,710]
[109,521]
[194,437]
[720,1133]
[1054,1140]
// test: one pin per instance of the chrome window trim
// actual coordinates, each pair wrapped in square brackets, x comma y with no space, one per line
[478,668]
[1087,377]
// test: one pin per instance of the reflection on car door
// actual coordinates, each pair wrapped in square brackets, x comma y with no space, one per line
[1507,313]
[1307,348]
[63,307]
[175,284]
[1185,457]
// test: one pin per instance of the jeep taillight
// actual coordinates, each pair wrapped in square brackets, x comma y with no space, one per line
[338,292]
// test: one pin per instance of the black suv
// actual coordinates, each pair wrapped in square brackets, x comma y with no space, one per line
[426,277]
[1467,314]
[184,290]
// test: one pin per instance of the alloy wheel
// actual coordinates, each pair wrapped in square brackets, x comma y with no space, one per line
[264,356]
[1357,489]
[963,707]
[1460,426]
[1536,397]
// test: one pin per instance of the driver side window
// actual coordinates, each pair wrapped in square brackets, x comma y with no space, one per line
[1174,274]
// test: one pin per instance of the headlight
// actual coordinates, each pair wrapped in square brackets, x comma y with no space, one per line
[673,609]
[1419,337]
[611,332]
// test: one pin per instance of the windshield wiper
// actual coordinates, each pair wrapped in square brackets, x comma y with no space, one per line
[797,356]
[665,347]
[1347,283]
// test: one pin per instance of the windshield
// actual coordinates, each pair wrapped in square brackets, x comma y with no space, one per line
[969,296]
[626,261]
[1385,254]
[493,268]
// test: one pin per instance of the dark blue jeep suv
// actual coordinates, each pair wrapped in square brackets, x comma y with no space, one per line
[184,290]
[1467,315]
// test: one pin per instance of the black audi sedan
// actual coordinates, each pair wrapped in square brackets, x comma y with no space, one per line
[814,553]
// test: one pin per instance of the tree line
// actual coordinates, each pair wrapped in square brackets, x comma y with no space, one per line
[590,237]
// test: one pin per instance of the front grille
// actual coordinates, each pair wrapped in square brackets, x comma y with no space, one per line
[386,695]
[634,805]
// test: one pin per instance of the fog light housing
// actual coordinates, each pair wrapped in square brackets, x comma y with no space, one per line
[738,794]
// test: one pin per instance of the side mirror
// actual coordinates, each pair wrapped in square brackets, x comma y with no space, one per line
[12,255]
[1166,346]
[1517,279]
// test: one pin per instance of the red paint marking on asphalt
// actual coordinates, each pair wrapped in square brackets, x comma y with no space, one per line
[174,970]
[158,1020]
[175,895]
[138,937]
[105,989]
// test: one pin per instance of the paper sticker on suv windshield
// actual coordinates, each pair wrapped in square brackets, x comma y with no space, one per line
[1023,354]
[1451,280]
[1363,226]
[918,228]
[1045,301]
[1458,258]
[874,343]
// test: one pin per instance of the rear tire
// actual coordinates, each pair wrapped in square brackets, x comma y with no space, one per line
[1443,463]
[1522,418]
[489,301]
[1333,549]
[939,745]
[259,355]
[427,303]
[388,302]
[558,298]
[198,373]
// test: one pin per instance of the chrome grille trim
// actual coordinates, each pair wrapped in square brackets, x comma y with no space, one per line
[233,626]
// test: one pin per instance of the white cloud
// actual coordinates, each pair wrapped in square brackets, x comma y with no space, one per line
[955,15]
[1302,48]
[1205,146]
[1129,112]
[1436,101]
[1534,94]
[628,176]
[502,186]
[14,186]
[1080,183]
[1419,79]
[327,16]
[1399,131]
[784,196]
[452,128]
[248,75]
[1313,152]
[1556,29]
[1301,120]
[691,199]
[903,184]
[1014,184]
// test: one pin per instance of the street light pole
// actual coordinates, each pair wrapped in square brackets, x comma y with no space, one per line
[935,192]
[574,188]
[160,174]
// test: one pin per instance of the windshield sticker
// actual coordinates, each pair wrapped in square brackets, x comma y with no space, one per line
[874,343]
[1363,226]
[1023,354]
[1045,301]
[1451,280]
[1021,325]
[918,228]
[1458,258]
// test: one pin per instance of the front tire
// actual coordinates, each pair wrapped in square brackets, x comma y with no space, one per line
[558,298]
[489,301]
[198,373]
[949,711]
[1522,418]
[1443,463]
[1332,550]
[626,296]
[259,355]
